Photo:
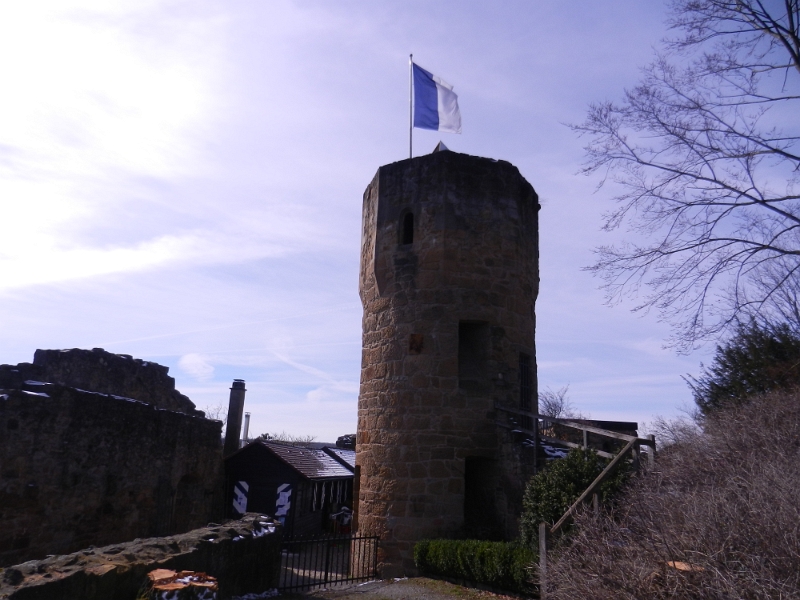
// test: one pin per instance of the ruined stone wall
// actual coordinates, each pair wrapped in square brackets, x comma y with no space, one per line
[243,555]
[100,371]
[79,468]
[448,311]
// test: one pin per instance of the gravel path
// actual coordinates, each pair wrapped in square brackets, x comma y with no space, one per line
[417,588]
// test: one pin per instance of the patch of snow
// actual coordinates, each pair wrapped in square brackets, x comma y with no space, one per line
[42,394]
[31,382]
[554,452]
[263,529]
[126,399]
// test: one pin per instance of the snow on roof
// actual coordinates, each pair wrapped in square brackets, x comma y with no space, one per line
[343,455]
[309,462]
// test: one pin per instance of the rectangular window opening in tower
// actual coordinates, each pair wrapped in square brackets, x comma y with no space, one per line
[473,355]
[525,388]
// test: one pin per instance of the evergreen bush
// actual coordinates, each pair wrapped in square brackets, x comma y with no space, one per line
[551,492]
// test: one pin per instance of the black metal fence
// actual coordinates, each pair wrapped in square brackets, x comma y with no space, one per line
[327,560]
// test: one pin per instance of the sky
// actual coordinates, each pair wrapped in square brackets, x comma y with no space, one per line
[182,182]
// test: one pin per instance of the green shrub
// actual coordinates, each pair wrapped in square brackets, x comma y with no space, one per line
[551,492]
[499,564]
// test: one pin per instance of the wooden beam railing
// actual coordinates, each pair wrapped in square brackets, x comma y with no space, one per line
[649,441]
[632,445]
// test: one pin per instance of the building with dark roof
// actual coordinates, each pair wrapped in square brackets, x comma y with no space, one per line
[302,487]
[345,456]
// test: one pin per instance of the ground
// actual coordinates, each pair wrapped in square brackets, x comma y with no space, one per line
[417,588]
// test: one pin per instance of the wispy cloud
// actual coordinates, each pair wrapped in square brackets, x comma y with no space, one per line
[183,181]
[197,366]
[332,383]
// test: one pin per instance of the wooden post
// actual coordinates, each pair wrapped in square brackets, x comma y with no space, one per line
[596,505]
[651,455]
[542,561]
[585,439]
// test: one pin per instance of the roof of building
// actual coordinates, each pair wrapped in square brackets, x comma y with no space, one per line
[343,455]
[309,462]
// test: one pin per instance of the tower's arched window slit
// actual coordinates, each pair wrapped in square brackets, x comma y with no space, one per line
[408,229]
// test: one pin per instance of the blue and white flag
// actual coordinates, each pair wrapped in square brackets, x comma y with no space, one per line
[435,103]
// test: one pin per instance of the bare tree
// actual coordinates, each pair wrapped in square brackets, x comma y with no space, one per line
[287,438]
[556,404]
[218,412]
[705,149]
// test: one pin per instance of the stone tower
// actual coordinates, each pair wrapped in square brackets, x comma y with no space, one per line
[449,278]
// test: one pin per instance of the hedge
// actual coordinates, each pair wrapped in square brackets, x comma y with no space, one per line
[501,565]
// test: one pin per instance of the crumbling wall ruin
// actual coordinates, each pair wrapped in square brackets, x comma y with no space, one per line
[243,555]
[99,371]
[81,468]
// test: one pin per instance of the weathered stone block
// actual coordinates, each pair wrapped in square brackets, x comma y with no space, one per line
[243,555]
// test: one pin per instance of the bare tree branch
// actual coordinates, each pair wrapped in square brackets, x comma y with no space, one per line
[706,151]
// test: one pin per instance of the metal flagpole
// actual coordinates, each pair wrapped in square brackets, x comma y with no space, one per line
[410,109]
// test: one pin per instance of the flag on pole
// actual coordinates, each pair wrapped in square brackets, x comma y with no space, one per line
[435,103]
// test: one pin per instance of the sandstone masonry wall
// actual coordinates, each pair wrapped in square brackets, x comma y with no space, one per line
[79,468]
[448,295]
[243,555]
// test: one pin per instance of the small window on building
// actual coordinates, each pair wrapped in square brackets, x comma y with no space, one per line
[473,355]
[407,229]
[525,388]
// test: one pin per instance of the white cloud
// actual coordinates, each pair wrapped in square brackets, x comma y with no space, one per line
[40,259]
[90,92]
[197,366]
[182,181]
[93,99]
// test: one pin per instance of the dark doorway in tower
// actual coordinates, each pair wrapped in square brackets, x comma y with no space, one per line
[473,356]
[407,229]
[480,512]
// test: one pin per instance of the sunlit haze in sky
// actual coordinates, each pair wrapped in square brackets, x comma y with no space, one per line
[182,182]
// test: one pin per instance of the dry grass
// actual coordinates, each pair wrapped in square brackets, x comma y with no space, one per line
[719,517]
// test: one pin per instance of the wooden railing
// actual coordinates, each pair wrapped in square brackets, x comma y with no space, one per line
[544,425]
[633,445]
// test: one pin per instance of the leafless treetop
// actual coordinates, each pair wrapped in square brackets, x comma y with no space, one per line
[705,151]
